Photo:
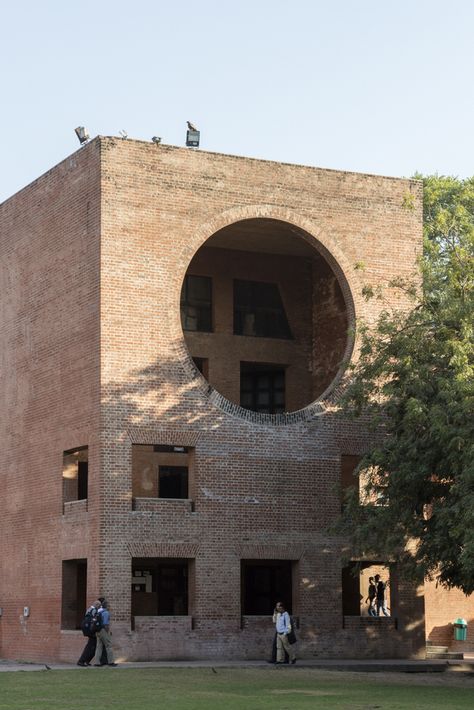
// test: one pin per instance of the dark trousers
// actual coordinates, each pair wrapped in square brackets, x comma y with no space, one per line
[89,651]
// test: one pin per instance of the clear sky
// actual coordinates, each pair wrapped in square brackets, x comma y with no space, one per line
[378,86]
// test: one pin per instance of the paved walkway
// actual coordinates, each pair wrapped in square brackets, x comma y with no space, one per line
[366,666]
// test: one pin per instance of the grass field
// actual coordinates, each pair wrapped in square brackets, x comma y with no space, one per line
[229,689]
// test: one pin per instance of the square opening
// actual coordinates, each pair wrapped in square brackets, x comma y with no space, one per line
[355,588]
[162,471]
[264,582]
[160,586]
[262,387]
[259,310]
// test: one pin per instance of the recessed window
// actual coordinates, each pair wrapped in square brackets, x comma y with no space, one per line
[74,591]
[196,303]
[173,482]
[262,387]
[161,471]
[75,474]
[259,311]
[160,587]
[356,580]
[264,582]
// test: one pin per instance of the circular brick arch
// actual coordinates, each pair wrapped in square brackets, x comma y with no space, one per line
[317,238]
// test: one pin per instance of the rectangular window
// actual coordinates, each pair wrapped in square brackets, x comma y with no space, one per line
[162,471]
[196,303]
[74,591]
[160,587]
[259,311]
[264,582]
[75,474]
[349,464]
[358,483]
[262,387]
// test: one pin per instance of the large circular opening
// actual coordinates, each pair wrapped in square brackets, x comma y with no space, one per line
[264,316]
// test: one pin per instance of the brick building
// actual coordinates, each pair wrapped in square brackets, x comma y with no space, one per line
[174,326]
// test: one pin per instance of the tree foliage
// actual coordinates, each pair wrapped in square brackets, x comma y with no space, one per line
[415,381]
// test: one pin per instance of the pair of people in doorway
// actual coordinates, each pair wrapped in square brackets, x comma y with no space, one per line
[376,596]
[99,644]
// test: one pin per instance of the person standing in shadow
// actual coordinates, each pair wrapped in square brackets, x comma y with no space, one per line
[372,593]
[381,604]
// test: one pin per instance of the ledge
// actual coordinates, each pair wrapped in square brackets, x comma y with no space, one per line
[370,622]
[75,507]
[161,504]
[163,623]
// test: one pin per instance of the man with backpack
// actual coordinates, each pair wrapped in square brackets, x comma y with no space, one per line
[89,627]
[104,637]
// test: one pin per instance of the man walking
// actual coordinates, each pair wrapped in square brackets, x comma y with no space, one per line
[89,649]
[104,637]
[282,622]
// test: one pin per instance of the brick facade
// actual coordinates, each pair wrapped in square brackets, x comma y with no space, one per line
[93,355]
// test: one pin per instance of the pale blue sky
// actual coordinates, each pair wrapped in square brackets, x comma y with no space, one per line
[378,86]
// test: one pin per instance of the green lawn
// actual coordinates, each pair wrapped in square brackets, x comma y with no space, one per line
[230,689]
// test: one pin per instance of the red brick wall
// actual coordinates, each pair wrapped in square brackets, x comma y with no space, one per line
[442,608]
[49,387]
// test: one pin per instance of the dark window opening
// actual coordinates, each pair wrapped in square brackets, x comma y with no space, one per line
[160,587]
[75,474]
[262,387]
[162,471]
[74,593]
[259,311]
[173,482]
[264,582]
[196,303]
[82,479]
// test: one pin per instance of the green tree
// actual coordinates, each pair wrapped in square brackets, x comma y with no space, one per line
[414,381]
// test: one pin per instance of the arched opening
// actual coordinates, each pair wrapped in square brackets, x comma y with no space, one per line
[264,316]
